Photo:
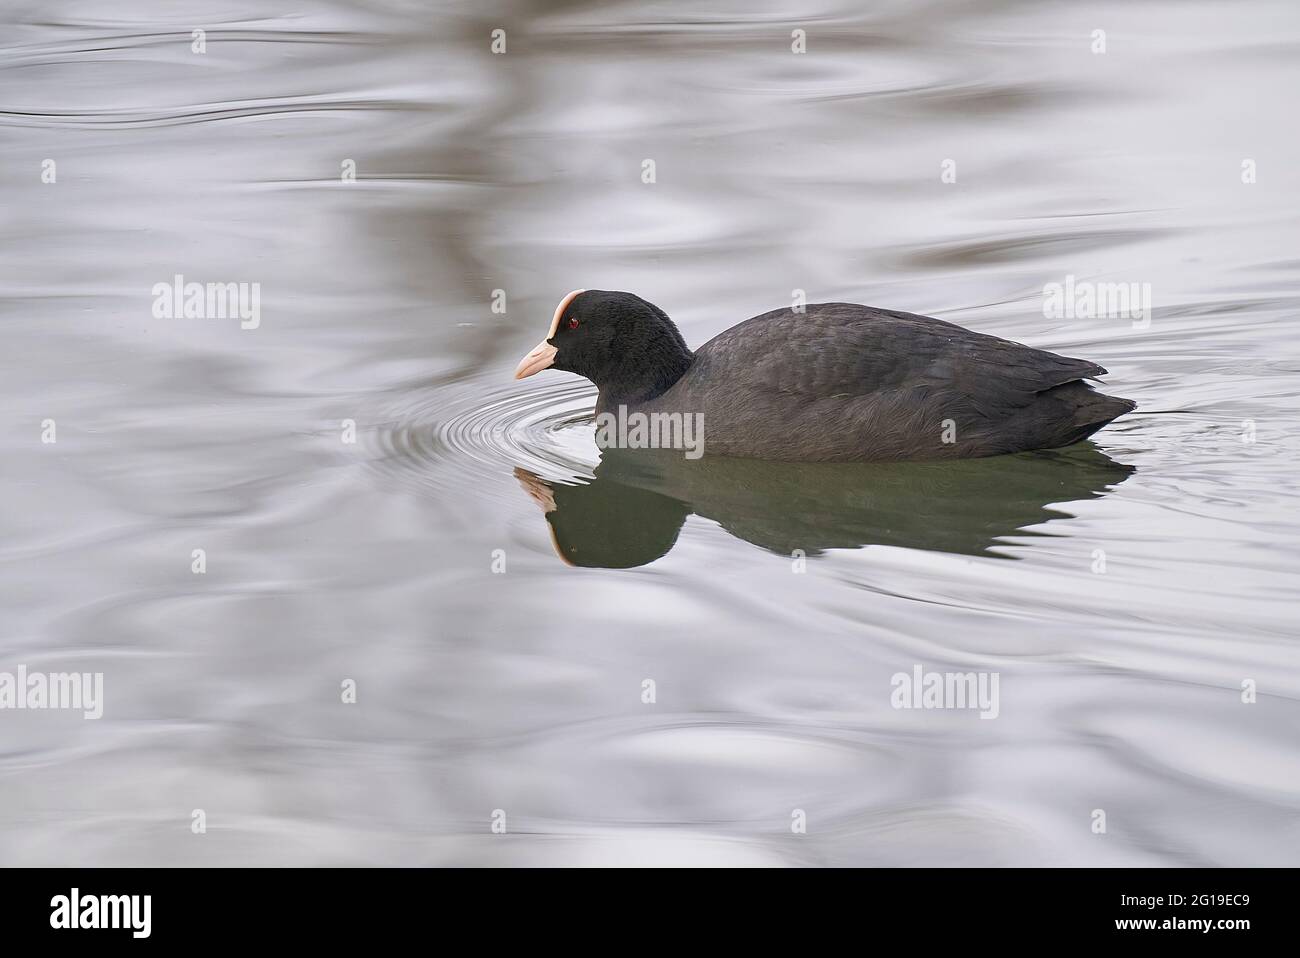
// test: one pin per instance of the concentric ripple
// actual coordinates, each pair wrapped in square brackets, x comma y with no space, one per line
[479,425]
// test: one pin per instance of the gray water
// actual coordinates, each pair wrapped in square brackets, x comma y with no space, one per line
[1123,590]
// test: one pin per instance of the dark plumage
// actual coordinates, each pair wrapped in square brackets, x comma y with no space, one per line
[838,382]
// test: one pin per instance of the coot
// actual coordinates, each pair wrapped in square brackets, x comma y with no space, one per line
[837,382]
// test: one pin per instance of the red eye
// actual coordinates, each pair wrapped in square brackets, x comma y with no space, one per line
[573,323]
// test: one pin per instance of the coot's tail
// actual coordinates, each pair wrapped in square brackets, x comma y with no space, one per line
[1082,411]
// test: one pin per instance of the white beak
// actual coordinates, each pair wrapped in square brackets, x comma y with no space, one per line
[540,358]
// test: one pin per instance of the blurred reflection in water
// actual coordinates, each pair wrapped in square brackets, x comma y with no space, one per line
[633,511]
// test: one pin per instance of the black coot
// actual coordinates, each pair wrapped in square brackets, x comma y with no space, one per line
[836,383]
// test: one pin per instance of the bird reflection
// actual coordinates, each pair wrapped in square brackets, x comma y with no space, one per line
[631,512]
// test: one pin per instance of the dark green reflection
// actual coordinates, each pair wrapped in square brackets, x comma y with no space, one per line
[631,513]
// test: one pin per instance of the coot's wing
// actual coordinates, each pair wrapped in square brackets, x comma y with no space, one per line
[845,350]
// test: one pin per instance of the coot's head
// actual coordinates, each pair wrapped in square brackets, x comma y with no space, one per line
[626,346]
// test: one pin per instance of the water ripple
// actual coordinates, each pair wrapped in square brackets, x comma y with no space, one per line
[433,435]
[131,119]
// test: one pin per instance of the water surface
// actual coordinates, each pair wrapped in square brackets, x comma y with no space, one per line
[1123,589]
